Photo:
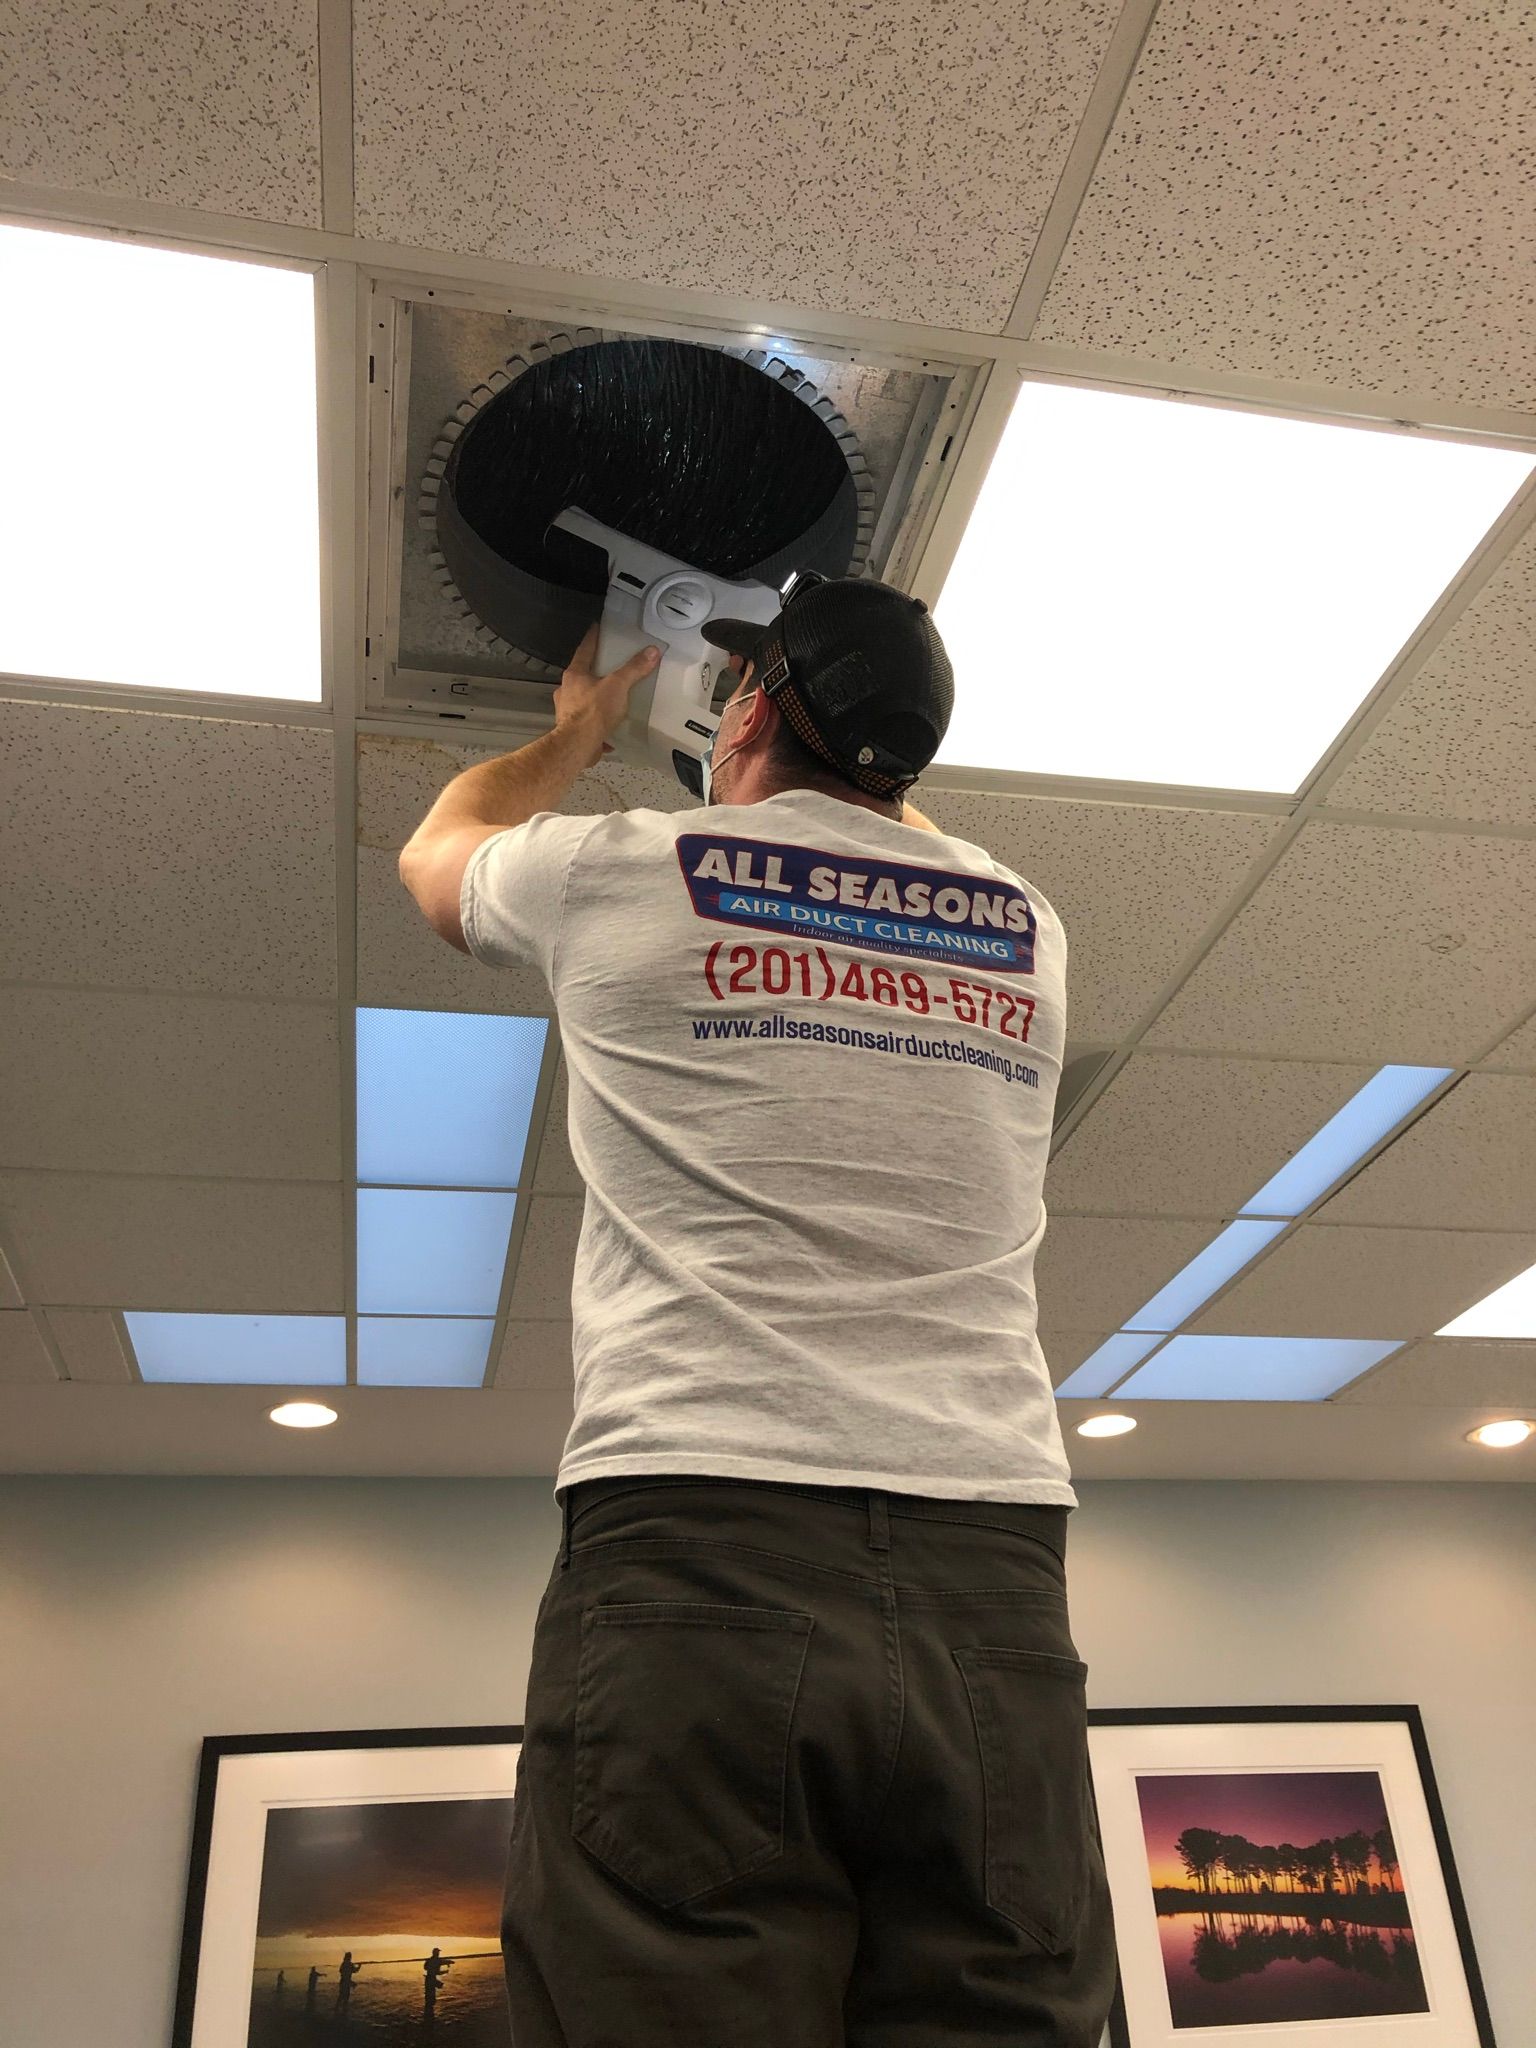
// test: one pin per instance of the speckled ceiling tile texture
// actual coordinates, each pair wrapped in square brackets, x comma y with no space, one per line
[1339,195]
[155,851]
[1452,1372]
[1517,1051]
[1367,943]
[1461,740]
[1192,1137]
[1135,886]
[892,160]
[206,103]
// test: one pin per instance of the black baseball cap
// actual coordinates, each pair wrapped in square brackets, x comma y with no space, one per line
[859,672]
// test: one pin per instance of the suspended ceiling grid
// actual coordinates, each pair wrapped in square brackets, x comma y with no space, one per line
[182,949]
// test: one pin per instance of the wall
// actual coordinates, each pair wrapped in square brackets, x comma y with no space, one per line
[138,1615]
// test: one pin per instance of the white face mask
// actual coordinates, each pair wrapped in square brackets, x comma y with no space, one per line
[707,762]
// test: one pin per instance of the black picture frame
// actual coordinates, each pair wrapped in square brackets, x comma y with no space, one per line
[1111,1762]
[216,1751]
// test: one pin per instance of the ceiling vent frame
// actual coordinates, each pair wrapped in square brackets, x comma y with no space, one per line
[895,523]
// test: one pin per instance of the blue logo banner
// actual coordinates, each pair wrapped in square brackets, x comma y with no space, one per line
[883,906]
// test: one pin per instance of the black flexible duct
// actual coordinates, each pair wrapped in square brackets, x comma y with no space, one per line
[686,448]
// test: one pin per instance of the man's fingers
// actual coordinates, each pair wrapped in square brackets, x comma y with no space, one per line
[586,653]
[630,672]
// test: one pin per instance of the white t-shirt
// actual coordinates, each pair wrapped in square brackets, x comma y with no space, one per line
[813,1055]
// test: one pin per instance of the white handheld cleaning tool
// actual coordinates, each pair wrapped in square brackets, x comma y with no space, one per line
[654,601]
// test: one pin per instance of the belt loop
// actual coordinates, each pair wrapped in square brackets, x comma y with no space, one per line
[879,1522]
[565,1529]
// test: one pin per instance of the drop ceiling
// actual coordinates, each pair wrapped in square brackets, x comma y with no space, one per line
[197,895]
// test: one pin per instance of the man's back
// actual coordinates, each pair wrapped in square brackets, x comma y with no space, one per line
[813,1055]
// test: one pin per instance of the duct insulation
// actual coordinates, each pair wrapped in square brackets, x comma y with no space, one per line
[684,447]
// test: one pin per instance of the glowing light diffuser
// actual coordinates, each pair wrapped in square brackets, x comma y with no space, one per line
[422,1351]
[160,521]
[1253,1368]
[247,1351]
[444,1098]
[1347,1136]
[1158,591]
[1510,1311]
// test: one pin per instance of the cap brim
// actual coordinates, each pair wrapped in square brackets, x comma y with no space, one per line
[736,636]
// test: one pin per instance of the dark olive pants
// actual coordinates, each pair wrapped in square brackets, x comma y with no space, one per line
[805,1767]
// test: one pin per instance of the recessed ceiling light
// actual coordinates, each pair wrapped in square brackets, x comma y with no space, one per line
[160,522]
[1510,1311]
[1106,1425]
[302,1414]
[1167,592]
[1501,1436]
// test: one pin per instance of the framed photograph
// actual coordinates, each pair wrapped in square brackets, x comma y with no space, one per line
[1281,1876]
[346,1887]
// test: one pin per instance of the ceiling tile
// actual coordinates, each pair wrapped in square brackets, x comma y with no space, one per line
[401,961]
[10,1293]
[1192,1137]
[1453,1372]
[215,107]
[1460,741]
[240,1247]
[1094,1271]
[556,1172]
[1371,944]
[1328,1282]
[399,780]
[403,964]
[535,1355]
[1469,1163]
[548,1259]
[155,851]
[169,1084]
[91,1345]
[1331,195]
[893,161]
[1517,1051]
[1134,885]
[23,1354]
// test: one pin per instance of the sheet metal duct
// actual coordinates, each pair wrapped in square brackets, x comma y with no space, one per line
[751,460]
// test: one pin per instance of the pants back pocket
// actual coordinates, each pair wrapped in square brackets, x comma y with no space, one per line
[1030,1714]
[683,1712]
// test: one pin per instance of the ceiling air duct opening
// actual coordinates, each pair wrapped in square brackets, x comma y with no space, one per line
[693,451]
[746,456]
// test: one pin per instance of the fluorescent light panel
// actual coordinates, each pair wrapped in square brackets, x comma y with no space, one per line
[1206,1271]
[431,1254]
[1510,1311]
[444,1099]
[1167,592]
[1253,1368]
[1347,1136]
[422,1351]
[249,1351]
[1098,1372]
[160,525]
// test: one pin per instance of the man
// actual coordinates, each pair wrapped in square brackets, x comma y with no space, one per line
[805,1761]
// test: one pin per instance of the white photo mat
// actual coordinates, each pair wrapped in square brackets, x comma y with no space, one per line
[249,1787]
[1119,1754]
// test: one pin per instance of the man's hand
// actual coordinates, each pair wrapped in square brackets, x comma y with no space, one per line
[598,704]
